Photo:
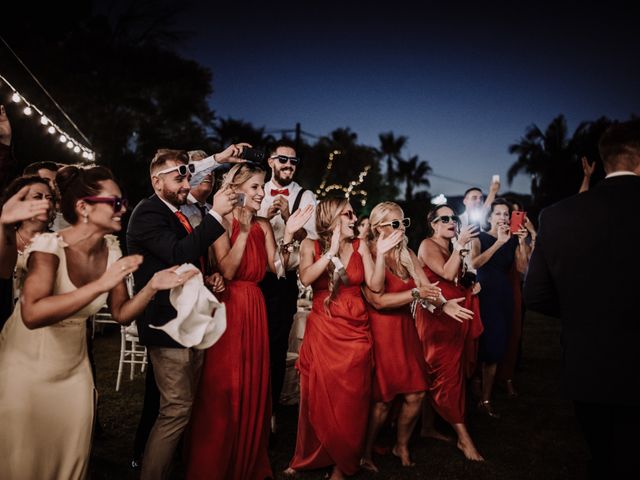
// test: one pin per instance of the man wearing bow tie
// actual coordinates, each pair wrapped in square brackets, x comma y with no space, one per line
[283,196]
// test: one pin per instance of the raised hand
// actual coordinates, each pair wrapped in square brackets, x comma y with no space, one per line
[522,234]
[334,247]
[215,282]
[587,168]
[467,233]
[168,278]
[224,201]
[5,127]
[504,233]
[17,209]
[299,219]
[231,154]
[282,204]
[244,219]
[118,271]
[456,311]
[384,244]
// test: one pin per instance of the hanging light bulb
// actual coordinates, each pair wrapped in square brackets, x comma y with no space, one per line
[27,111]
[76,149]
[51,130]
[44,120]
[16,98]
[63,139]
[69,144]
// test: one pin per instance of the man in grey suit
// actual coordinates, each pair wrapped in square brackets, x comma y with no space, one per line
[585,269]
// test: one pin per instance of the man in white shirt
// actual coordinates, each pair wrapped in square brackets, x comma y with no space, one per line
[283,196]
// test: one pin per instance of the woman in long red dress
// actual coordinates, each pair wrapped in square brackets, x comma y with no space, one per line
[336,360]
[400,369]
[230,420]
[450,347]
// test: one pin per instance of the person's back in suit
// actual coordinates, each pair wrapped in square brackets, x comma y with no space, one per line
[584,270]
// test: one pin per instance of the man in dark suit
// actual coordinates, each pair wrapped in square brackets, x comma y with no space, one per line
[585,269]
[162,234]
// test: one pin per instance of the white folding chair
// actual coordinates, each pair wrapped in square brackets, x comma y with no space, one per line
[101,318]
[131,352]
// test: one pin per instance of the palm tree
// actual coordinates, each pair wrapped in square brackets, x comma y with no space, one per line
[414,172]
[231,130]
[390,147]
[548,157]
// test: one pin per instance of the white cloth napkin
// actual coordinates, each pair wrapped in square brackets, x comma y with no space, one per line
[197,324]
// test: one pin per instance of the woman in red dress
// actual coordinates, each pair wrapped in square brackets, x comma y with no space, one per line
[336,360]
[450,347]
[230,420]
[399,365]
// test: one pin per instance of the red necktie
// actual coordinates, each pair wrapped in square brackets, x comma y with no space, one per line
[284,191]
[187,226]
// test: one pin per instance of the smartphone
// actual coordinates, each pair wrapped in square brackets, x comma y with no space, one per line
[253,155]
[495,178]
[517,219]
[241,199]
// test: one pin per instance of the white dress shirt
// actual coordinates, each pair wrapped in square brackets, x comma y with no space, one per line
[192,210]
[278,223]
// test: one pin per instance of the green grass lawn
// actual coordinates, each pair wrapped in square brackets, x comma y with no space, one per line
[536,438]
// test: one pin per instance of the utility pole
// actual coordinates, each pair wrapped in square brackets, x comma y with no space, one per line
[297,138]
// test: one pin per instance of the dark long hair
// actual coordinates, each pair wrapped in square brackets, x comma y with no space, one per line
[76,182]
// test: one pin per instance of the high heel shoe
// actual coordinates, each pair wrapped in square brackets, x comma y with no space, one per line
[485,408]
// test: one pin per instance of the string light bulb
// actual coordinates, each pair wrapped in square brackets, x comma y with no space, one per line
[64,138]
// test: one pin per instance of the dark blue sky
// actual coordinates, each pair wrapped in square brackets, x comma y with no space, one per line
[462,82]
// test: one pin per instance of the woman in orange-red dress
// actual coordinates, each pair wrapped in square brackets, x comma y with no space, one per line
[229,429]
[450,347]
[336,360]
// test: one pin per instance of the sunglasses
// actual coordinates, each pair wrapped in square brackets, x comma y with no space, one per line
[349,214]
[284,159]
[181,169]
[447,219]
[117,203]
[395,224]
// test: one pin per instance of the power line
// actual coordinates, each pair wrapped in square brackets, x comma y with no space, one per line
[45,91]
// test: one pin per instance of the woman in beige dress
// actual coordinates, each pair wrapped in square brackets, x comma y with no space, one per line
[47,396]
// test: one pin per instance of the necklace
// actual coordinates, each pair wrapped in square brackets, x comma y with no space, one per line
[24,243]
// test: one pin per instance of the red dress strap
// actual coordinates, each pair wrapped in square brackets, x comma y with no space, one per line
[316,246]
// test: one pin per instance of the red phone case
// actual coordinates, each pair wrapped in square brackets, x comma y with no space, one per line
[517,219]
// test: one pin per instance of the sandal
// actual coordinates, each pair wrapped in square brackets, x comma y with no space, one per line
[485,408]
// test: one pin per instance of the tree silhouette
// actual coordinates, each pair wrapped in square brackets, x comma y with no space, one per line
[546,156]
[390,149]
[414,173]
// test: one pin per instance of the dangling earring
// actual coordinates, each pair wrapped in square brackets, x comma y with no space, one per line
[85,217]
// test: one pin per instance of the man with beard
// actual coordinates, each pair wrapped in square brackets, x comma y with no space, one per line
[282,197]
[163,235]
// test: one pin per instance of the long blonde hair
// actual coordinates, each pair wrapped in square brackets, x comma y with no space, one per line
[327,217]
[400,252]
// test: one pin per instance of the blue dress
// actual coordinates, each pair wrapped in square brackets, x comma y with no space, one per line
[496,298]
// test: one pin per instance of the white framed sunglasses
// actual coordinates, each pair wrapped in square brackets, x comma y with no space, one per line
[182,170]
[395,224]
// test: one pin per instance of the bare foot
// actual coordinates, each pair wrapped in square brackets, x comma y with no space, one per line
[469,450]
[290,473]
[367,464]
[433,433]
[403,454]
